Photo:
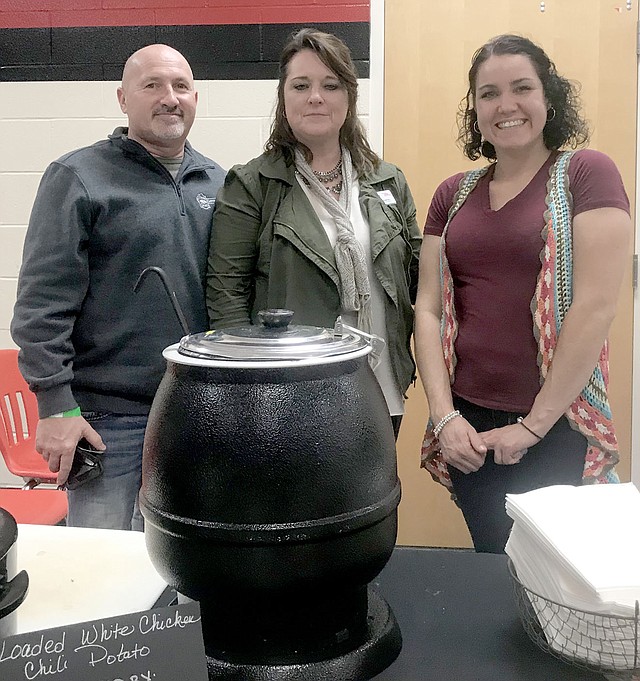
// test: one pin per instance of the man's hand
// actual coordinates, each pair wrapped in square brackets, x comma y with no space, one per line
[56,441]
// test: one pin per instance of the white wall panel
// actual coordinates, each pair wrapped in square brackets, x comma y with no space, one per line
[11,241]
[48,119]
[18,191]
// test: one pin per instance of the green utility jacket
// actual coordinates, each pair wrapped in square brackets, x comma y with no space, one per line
[268,249]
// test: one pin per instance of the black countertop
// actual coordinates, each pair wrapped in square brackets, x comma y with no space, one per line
[459,622]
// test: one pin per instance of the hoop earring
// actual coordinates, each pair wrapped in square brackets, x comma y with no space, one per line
[553,113]
[476,129]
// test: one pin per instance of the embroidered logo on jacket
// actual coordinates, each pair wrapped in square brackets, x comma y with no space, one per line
[205,202]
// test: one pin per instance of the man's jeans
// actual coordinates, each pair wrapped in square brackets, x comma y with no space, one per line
[111,501]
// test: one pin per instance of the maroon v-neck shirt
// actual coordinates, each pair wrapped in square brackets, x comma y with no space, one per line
[494,258]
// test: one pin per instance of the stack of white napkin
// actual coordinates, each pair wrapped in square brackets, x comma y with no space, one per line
[580,547]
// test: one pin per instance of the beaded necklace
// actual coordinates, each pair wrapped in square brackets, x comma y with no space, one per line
[327,176]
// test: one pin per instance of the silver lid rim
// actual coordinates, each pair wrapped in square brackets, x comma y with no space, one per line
[171,354]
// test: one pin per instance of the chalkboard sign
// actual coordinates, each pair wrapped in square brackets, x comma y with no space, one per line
[163,644]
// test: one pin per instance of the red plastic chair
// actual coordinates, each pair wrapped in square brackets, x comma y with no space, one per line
[18,420]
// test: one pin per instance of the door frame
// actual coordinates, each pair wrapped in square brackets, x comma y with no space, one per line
[635,390]
[376,76]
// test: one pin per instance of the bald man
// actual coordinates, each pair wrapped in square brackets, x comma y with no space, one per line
[91,348]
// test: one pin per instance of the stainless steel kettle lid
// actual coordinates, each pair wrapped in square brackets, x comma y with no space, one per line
[274,339]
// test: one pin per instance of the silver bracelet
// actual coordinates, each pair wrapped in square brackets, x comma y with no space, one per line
[437,429]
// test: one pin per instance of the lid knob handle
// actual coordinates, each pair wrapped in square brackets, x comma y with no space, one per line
[275,318]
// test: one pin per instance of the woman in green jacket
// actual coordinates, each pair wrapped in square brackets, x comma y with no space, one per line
[318,223]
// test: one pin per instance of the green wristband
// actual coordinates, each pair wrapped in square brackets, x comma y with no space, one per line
[67,414]
[71,412]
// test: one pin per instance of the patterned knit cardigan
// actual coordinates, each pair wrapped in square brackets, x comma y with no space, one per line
[590,413]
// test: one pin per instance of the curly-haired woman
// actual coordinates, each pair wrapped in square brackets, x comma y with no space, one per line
[520,270]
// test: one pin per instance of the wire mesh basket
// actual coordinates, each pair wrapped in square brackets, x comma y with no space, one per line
[606,644]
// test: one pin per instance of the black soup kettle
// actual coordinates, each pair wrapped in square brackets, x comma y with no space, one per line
[270,494]
[13,587]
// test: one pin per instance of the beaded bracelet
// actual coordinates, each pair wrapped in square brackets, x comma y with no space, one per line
[520,420]
[443,422]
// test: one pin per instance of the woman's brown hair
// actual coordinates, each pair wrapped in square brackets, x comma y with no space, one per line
[335,55]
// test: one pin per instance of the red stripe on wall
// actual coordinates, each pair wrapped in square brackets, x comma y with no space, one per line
[214,4]
[51,5]
[25,19]
[63,13]
[121,17]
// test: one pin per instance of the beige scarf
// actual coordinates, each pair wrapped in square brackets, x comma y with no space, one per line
[351,259]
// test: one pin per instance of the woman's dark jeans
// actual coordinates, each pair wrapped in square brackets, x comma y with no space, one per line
[558,459]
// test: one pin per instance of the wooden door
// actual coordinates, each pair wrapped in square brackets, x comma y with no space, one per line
[428,49]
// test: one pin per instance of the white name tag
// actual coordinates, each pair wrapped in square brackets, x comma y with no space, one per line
[387,197]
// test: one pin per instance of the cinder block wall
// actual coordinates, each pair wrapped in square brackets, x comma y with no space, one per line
[60,63]
[47,119]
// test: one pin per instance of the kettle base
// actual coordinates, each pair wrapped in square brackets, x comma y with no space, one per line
[380,648]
